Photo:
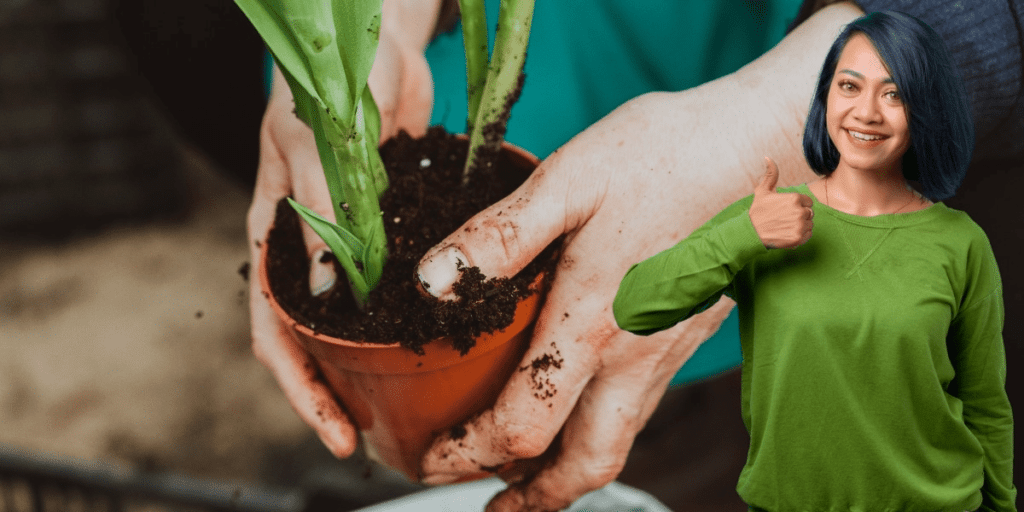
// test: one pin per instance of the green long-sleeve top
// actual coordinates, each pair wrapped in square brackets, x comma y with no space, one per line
[873,360]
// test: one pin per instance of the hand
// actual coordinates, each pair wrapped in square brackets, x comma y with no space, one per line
[290,165]
[782,221]
[633,184]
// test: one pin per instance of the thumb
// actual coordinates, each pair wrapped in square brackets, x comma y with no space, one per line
[770,179]
[500,240]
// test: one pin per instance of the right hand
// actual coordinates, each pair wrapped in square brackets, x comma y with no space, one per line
[782,221]
[401,85]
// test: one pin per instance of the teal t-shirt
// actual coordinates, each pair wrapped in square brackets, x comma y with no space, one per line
[588,57]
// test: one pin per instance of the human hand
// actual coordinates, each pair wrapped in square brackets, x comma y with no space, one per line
[582,376]
[636,182]
[782,221]
[401,85]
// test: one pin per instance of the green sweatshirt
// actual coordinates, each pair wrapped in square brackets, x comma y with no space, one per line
[873,360]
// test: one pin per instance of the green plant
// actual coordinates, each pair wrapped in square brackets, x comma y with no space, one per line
[325,50]
[492,86]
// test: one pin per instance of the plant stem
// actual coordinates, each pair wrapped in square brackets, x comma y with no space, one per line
[503,82]
[474,37]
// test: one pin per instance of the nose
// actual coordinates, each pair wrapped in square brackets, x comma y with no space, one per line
[866,109]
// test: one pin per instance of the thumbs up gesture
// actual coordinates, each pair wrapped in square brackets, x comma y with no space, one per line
[782,221]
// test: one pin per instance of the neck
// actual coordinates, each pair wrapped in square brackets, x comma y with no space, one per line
[869,193]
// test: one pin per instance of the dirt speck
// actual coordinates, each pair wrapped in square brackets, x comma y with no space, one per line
[540,369]
[457,432]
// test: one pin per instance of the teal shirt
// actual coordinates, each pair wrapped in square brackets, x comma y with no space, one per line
[873,360]
[588,57]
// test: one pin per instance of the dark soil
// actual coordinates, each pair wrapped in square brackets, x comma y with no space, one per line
[424,203]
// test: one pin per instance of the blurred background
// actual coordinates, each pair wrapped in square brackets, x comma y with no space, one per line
[128,149]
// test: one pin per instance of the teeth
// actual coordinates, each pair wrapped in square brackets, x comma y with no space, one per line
[863,136]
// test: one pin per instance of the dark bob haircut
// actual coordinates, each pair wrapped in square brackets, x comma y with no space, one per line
[939,115]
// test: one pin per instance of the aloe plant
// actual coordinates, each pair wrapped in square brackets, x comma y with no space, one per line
[325,50]
[492,86]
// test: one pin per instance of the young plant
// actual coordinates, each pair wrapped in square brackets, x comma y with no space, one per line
[492,87]
[325,50]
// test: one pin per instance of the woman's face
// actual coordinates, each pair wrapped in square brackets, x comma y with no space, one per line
[866,118]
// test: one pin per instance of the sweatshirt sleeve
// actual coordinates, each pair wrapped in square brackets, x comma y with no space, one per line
[979,359]
[689,277]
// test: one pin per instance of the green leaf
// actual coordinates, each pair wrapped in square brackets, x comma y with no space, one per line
[514,22]
[345,246]
[474,38]
[280,39]
[362,21]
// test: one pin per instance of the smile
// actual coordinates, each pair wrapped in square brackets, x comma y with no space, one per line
[865,137]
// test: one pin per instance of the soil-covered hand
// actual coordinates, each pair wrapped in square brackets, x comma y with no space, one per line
[401,84]
[782,221]
[631,185]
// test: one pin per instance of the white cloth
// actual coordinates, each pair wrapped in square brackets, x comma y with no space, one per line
[473,497]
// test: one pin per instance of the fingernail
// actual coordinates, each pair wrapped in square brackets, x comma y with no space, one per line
[321,272]
[438,273]
[439,479]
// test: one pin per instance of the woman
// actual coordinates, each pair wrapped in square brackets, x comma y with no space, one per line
[873,360]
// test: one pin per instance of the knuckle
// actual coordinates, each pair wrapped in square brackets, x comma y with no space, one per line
[522,441]
[595,476]
[504,234]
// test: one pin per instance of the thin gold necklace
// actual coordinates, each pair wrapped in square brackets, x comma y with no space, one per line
[897,211]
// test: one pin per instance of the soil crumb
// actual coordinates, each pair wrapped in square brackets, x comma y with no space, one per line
[457,432]
[539,369]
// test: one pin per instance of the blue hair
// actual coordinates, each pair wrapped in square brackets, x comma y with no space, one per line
[939,115]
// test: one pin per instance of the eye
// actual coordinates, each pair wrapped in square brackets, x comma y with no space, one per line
[893,95]
[847,86]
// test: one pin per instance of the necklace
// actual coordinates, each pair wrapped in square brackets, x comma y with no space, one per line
[912,198]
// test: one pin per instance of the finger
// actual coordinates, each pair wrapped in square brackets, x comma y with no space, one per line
[807,234]
[539,395]
[805,200]
[592,451]
[290,160]
[770,179]
[416,97]
[505,237]
[595,443]
[300,380]
[385,83]
[290,163]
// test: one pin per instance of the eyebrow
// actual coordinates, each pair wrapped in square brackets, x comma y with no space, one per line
[886,80]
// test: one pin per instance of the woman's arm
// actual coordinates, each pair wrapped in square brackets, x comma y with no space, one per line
[689,277]
[979,359]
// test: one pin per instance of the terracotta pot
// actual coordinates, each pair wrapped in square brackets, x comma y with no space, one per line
[400,400]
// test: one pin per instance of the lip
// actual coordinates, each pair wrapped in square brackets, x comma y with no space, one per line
[865,143]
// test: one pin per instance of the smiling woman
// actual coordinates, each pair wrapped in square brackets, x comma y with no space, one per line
[873,360]
[894,84]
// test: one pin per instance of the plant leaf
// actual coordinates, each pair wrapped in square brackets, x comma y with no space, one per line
[361,18]
[346,247]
